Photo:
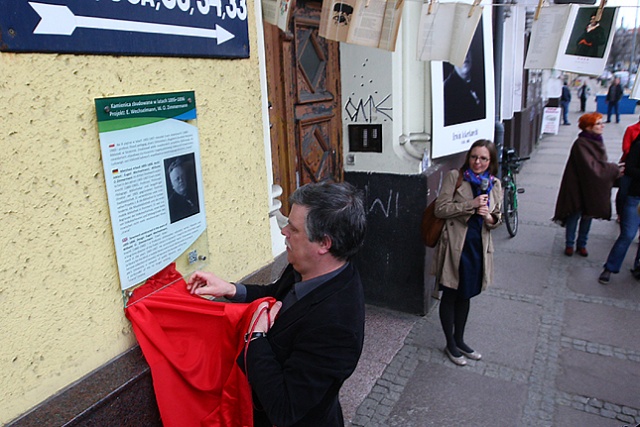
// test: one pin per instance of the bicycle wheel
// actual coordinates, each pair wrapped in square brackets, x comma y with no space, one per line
[511,209]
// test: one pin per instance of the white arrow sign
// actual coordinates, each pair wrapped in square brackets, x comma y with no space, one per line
[59,20]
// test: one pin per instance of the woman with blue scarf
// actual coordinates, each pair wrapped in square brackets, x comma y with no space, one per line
[463,261]
[585,190]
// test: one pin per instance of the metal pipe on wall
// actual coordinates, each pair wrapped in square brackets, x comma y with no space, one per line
[498,38]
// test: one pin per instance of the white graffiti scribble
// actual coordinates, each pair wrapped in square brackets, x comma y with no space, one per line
[386,210]
[364,111]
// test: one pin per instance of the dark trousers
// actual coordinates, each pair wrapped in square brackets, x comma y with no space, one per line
[565,112]
[621,195]
[628,230]
[613,106]
[583,104]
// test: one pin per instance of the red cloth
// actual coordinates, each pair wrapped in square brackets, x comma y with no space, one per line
[191,345]
[630,134]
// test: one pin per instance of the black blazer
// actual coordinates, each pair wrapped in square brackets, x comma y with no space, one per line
[313,347]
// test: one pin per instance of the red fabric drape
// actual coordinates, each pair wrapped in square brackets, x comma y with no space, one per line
[191,345]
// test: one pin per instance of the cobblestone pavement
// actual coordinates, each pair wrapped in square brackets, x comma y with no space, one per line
[559,349]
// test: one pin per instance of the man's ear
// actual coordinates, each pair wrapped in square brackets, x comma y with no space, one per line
[325,245]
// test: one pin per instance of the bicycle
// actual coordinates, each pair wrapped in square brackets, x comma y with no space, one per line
[510,167]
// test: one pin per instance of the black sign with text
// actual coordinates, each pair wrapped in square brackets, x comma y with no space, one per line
[187,28]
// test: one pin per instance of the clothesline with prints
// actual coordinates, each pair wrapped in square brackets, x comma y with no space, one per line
[531,4]
[540,4]
[375,23]
[603,3]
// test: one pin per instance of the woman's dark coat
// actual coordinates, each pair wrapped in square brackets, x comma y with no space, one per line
[587,181]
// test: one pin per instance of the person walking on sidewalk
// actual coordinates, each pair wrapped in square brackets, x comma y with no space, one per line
[614,95]
[630,134]
[630,220]
[565,100]
[583,94]
[463,261]
[585,189]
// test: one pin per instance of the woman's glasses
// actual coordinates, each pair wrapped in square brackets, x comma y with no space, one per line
[483,159]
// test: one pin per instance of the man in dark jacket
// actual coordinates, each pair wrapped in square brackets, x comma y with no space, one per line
[630,221]
[631,136]
[614,95]
[302,349]
[583,94]
[565,100]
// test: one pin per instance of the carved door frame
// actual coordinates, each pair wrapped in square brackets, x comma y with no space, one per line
[303,81]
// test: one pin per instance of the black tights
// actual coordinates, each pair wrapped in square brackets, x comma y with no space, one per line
[454,312]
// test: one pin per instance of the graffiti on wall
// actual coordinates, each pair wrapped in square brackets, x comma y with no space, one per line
[389,207]
[366,110]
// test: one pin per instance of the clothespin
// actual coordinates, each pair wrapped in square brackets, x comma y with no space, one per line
[430,7]
[475,4]
[399,4]
[603,3]
[538,9]
[367,3]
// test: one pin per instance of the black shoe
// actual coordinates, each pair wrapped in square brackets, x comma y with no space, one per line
[608,121]
[636,273]
[605,277]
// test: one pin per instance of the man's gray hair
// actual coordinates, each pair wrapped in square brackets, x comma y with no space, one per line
[335,210]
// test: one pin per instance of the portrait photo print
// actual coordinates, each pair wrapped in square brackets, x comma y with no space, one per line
[464,87]
[589,37]
[182,187]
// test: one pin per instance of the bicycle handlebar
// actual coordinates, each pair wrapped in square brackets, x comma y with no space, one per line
[515,160]
[513,164]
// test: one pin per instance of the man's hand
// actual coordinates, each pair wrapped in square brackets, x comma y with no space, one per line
[204,283]
[264,317]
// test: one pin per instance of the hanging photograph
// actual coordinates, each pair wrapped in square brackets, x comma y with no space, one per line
[589,35]
[462,96]
[446,31]
[464,86]
[572,38]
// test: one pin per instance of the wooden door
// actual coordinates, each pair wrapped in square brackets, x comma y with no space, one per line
[303,77]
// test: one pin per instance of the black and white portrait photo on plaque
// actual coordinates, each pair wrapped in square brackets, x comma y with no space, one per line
[464,86]
[589,35]
[182,187]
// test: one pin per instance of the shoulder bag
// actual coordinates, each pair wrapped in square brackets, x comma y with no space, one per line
[432,226]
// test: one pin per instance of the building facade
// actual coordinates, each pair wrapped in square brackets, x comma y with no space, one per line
[299,109]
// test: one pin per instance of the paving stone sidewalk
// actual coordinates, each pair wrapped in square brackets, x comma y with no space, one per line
[559,349]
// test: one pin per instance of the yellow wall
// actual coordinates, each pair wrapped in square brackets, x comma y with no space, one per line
[62,313]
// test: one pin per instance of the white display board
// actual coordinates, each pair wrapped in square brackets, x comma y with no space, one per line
[151,159]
